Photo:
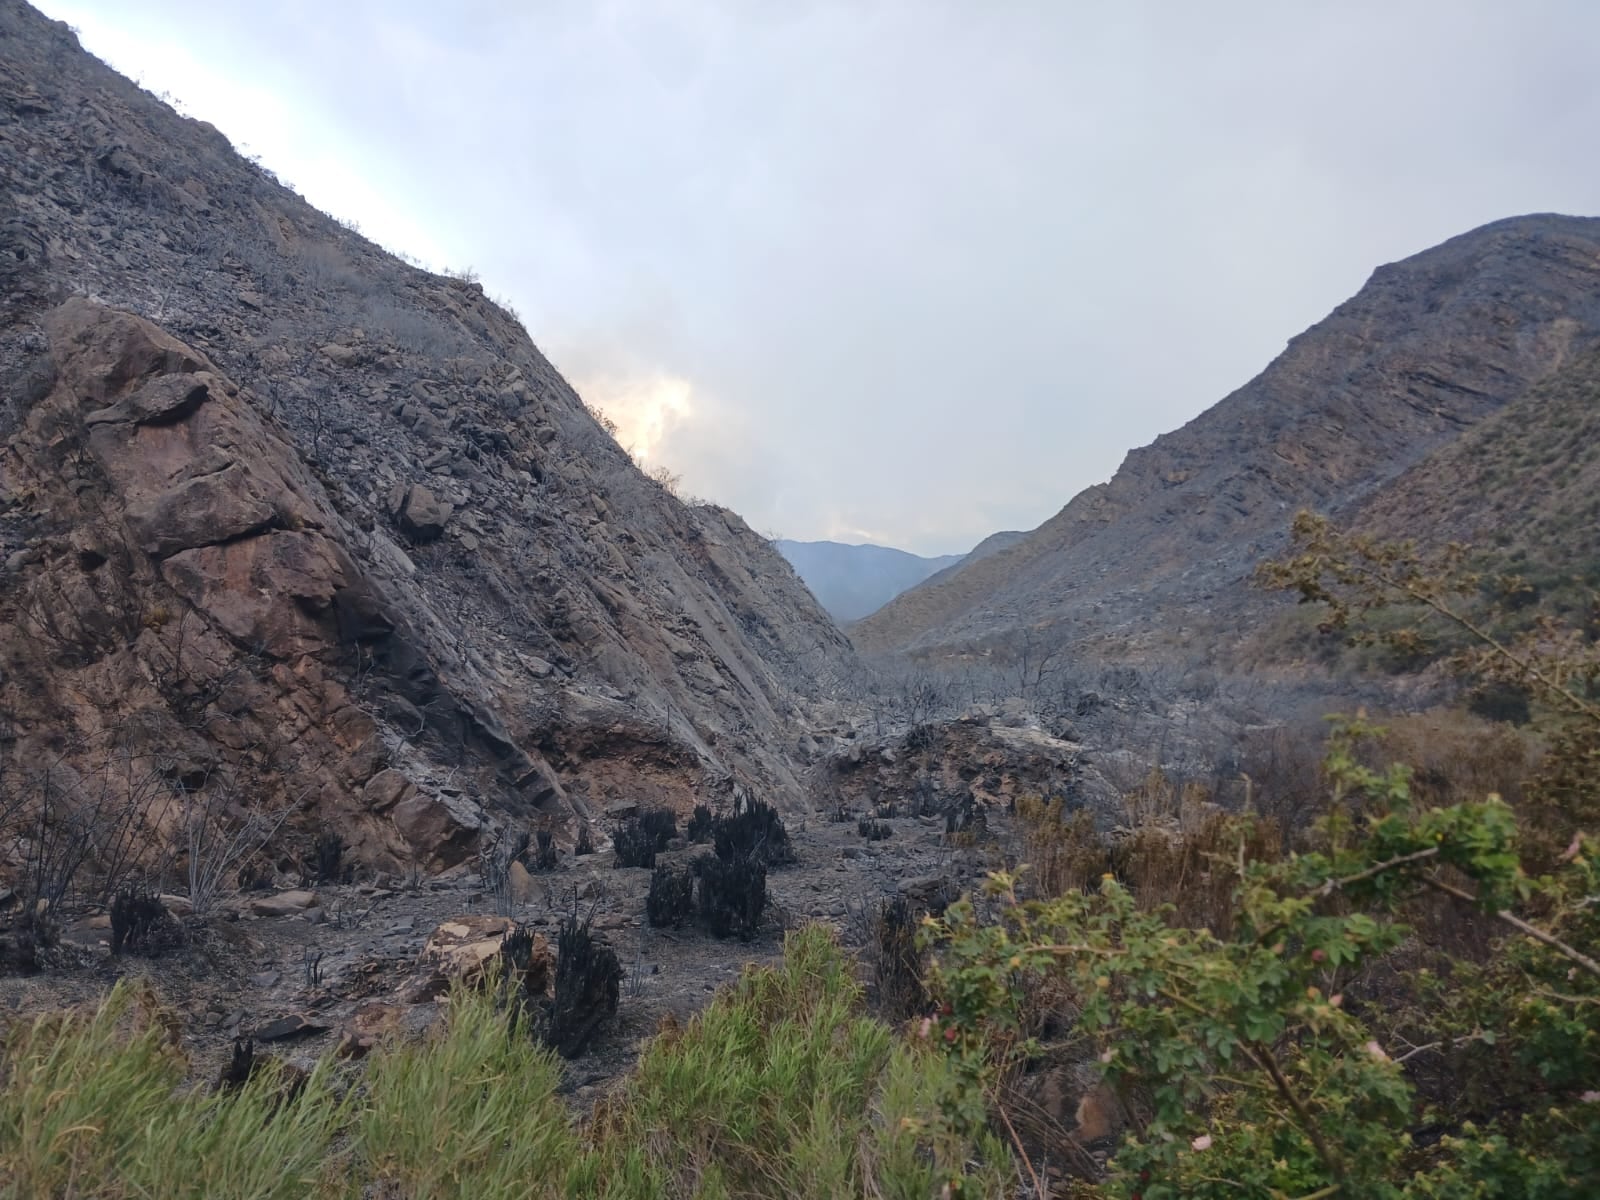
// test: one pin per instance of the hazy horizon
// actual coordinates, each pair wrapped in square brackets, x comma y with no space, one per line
[899,273]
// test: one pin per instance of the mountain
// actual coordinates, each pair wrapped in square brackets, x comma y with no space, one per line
[1158,559]
[852,581]
[992,544]
[1523,486]
[290,526]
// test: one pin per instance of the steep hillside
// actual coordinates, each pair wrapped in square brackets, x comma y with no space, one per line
[1523,486]
[287,523]
[1428,348]
[992,544]
[851,581]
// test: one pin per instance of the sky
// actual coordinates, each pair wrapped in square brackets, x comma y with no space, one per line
[898,271]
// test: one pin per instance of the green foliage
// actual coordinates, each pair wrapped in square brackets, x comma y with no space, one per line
[469,1112]
[785,1089]
[1260,1062]
[781,1088]
[91,1106]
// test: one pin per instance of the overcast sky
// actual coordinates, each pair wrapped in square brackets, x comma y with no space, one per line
[904,271]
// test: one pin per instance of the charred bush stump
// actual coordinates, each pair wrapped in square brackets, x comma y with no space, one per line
[733,894]
[588,985]
[755,830]
[702,824]
[897,960]
[140,924]
[873,831]
[671,898]
[638,840]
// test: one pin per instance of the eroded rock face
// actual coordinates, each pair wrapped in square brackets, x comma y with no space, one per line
[180,622]
[331,526]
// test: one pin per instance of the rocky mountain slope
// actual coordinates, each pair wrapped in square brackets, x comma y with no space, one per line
[852,581]
[1522,486]
[290,525]
[1429,347]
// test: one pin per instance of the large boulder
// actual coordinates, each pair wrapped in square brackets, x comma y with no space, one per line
[466,949]
[441,829]
[418,513]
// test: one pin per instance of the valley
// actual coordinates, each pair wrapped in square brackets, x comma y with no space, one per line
[351,673]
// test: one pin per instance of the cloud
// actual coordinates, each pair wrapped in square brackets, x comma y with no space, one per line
[646,409]
[924,268]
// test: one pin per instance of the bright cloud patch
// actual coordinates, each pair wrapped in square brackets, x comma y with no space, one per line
[646,408]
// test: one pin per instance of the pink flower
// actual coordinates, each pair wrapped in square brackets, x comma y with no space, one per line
[927,1024]
[1203,1142]
[1590,1097]
[1376,1051]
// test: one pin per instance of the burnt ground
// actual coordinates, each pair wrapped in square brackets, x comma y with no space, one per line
[241,972]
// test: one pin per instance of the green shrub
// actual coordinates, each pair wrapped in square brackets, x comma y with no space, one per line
[91,1105]
[781,1088]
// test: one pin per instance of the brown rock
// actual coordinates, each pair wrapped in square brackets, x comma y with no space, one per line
[465,948]
[445,827]
[525,889]
[264,591]
[386,789]
[283,904]
[420,515]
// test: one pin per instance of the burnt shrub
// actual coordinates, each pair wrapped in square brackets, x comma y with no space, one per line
[327,858]
[873,831]
[671,899]
[633,845]
[966,819]
[588,985]
[702,824]
[527,975]
[638,839]
[755,831]
[516,850]
[26,948]
[733,894]
[887,810]
[545,857]
[236,1072]
[584,844]
[139,923]
[897,962]
[1498,700]
[659,824]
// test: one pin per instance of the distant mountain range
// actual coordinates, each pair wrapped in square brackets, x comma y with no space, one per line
[852,581]
[1454,395]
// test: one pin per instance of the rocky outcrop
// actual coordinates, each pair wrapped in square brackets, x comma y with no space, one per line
[981,761]
[1157,560]
[286,522]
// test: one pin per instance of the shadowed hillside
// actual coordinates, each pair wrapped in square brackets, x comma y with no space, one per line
[283,517]
[1427,349]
